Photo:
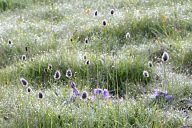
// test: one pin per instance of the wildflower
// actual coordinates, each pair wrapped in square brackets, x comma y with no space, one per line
[157,94]
[73,85]
[75,92]
[57,75]
[68,73]
[10,43]
[165,57]
[87,62]
[40,95]
[150,64]
[105,93]
[29,89]
[104,22]
[92,98]
[96,13]
[84,95]
[72,97]
[127,36]
[86,40]
[145,74]
[50,66]
[97,91]
[23,58]
[24,82]
[168,98]
[112,11]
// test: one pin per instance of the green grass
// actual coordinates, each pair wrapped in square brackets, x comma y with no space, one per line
[55,32]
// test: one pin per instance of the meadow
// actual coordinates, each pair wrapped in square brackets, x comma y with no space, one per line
[95,63]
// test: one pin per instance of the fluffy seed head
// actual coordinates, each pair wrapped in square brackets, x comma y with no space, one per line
[165,57]
[96,13]
[84,95]
[145,74]
[49,66]
[24,82]
[40,95]
[86,40]
[104,22]
[23,57]
[29,89]
[68,73]
[10,43]
[57,75]
[112,11]
[87,62]
[127,36]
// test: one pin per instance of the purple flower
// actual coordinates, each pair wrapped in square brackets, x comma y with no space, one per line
[165,95]
[168,98]
[73,85]
[96,13]
[158,94]
[97,91]
[105,93]
[92,98]
[75,91]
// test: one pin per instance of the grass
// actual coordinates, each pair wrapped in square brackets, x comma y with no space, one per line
[67,35]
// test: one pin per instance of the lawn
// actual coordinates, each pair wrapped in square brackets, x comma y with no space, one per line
[95,63]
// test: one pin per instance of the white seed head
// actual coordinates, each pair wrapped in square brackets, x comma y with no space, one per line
[24,82]
[68,73]
[23,57]
[57,75]
[127,36]
[84,95]
[145,74]
[165,57]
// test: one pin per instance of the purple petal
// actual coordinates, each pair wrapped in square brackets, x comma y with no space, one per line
[97,91]
[92,98]
[75,91]
[73,85]
[158,93]
[105,93]
[169,98]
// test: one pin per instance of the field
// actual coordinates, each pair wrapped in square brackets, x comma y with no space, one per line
[95,63]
